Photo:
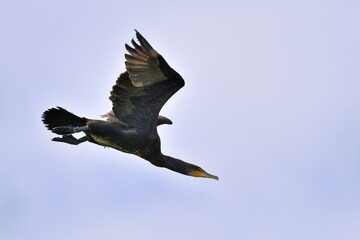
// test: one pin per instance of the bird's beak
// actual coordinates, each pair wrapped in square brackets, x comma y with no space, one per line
[207,175]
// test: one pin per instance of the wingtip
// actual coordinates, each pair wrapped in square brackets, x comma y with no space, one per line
[144,43]
[138,35]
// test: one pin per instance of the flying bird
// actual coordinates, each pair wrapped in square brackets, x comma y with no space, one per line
[131,126]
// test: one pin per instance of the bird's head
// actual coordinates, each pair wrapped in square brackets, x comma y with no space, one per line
[182,167]
[196,171]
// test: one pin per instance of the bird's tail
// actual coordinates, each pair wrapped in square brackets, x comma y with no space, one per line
[59,118]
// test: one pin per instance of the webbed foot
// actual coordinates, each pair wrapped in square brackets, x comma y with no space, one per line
[70,139]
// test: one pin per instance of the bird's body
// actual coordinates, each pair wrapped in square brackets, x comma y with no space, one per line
[125,139]
[131,126]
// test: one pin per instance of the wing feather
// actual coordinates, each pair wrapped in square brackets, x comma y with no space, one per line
[141,91]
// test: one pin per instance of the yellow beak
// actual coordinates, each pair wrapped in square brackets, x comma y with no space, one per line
[202,173]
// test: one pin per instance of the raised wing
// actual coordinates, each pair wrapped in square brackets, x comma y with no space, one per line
[144,88]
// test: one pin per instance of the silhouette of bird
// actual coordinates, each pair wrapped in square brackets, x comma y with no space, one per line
[137,98]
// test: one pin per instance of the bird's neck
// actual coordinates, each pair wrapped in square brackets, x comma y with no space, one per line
[171,163]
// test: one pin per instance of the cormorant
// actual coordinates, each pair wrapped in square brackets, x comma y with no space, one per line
[131,126]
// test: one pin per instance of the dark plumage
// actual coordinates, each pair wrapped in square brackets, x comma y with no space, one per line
[131,126]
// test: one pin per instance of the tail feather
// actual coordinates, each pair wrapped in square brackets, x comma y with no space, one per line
[58,117]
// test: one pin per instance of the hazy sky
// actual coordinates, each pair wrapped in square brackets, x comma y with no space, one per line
[271,105]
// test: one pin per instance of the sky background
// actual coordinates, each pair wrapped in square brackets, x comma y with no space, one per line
[271,105]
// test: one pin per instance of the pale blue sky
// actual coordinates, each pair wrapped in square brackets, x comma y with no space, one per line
[271,105]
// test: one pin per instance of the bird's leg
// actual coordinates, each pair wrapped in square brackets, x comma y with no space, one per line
[66,130]
[70,139]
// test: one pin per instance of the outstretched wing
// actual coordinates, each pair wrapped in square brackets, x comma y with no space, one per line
[144,88]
